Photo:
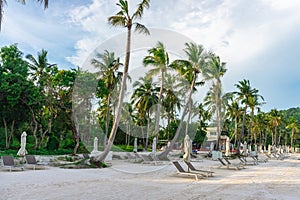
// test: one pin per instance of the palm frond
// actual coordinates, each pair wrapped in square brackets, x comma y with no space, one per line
[46,3]
[145,4]
[140,28]
[117,20]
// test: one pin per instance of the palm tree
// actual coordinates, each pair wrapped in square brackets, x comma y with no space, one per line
[3,2]
[214,71]
[189,69]
[294,127]
[253,103]
[275,120]
[41,74]
[143,98]
[159,58]
[234,112]
[124,19]
[109,66]
[171,100]
[244,94]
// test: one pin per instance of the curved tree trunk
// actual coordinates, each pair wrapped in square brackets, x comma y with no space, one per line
[165,153]
[102,156]
[107,120]
[241,137]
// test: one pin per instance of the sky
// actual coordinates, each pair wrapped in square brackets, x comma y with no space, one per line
[259,39]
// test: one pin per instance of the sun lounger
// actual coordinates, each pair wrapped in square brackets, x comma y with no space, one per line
[30,160]
[181,171]
[244,160]
[228,165]
[8,161]
[191,168]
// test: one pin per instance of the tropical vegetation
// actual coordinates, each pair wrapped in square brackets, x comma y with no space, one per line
[38,97]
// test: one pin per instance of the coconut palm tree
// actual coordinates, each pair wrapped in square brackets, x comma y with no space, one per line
[159,59]
[3,2]
[292,124]
[253,104]
[108,66]
[189,70]
[124,19]
[171,99]
[234,112]
[275,120]
[245,93]
[214,71]
[41,74]
[143,98]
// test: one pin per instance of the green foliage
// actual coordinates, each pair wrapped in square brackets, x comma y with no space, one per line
[53,143]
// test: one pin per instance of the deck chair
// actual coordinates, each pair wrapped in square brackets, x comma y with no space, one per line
[228,164]
[191,168]
[181,171]
[244,161]
[30,160]
[8,161]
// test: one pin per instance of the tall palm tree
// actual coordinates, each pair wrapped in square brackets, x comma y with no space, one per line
[214,71]
[41,74]
[253,104]
[292,124]
[189,69]
[234,112]
[171,100]
[143,98]
[124,19]
[275,120]
[159,58]
[3,2]
[109,66]
[245,93]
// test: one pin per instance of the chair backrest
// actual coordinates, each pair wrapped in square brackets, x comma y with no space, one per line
[189,164]
[8,160]
[178,166]
[30,159]
[221,161]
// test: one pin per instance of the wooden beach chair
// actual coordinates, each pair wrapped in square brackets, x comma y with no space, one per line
[244,160]
[226,164]
[30,160]
[181,171]
[8,161]
[191,168]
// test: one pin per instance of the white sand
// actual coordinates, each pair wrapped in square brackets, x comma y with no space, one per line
[275,179]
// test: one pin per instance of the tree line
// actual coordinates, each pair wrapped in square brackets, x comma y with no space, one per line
[65,109]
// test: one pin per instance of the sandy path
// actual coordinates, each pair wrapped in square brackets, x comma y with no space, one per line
[271,180]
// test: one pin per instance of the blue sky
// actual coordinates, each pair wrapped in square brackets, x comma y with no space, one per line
[259,39]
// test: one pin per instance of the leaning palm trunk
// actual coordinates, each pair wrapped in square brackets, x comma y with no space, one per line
[107,120]
[102,156]
[241,137]
[157,117]
[165,153]
[218,115]
[189,119]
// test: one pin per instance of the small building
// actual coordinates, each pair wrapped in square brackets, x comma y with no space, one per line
[212,139]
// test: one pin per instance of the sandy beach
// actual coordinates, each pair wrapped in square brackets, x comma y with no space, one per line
[275,179]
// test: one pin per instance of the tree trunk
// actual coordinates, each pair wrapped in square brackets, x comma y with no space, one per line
[188,119]
[235,130]
[107,120]
[100,158]
[292,137]
[165,153]
[242,129]
[6,133]
[11,135]
[75,130]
